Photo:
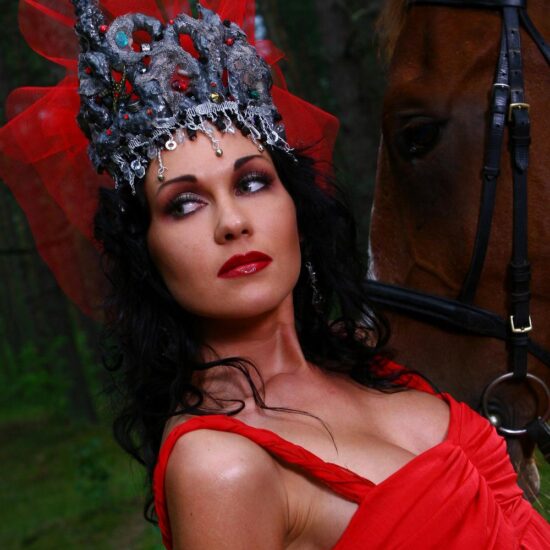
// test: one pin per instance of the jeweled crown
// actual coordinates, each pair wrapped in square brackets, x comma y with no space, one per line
[146,86]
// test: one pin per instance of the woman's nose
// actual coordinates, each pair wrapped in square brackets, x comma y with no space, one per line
[232,224]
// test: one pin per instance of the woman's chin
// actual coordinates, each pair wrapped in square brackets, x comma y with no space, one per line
[253,306]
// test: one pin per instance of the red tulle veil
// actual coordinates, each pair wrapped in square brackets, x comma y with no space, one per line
[43,153]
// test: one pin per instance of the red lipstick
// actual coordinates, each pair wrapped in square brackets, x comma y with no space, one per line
[244,264]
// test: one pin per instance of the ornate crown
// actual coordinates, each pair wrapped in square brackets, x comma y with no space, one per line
[44,156]
[146,86]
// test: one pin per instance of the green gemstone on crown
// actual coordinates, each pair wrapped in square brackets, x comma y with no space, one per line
[121,39]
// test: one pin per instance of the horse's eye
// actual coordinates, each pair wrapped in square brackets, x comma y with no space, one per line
[417,139]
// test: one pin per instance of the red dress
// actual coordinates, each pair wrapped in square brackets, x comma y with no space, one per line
[459,495]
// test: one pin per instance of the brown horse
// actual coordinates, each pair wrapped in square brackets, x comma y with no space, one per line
[425,212]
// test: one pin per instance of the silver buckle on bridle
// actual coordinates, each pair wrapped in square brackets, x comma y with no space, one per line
[521,330]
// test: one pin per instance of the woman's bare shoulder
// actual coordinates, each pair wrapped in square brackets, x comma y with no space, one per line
[201,451]
[221,487]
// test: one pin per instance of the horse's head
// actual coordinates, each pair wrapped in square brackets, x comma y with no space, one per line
[429,185]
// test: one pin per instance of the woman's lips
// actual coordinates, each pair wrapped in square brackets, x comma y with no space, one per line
[244,264]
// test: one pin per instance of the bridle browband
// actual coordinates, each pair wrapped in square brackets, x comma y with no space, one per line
[508,108]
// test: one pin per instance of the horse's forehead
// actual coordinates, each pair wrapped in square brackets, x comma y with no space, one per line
[445,44]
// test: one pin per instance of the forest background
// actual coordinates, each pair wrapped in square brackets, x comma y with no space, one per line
[66,484]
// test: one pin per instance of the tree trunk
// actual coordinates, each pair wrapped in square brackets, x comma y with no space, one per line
[346,28]
[333,63]
[80,397]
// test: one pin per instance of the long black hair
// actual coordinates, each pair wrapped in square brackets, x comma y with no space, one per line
[154,347]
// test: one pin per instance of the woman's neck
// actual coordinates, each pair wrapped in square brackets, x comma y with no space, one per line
[269,342]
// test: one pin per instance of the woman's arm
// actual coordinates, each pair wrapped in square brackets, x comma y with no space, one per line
[224,492]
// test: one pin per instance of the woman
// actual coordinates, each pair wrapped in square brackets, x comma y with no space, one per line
[226,242]
[225,237]
[267,424]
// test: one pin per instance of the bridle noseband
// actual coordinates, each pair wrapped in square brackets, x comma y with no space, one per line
[508,109]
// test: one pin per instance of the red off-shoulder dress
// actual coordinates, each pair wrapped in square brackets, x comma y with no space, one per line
[459,495]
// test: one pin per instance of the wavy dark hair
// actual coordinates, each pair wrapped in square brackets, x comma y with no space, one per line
[154,349]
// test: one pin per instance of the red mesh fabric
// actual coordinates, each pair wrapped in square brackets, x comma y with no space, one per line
[56,187]
[43,153]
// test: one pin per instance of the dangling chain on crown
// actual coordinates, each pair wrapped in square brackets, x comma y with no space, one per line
[140,98]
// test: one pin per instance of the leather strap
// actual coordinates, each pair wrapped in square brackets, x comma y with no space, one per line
[543,46]
[490,173]
[447,313]
[520,139]
[473,3]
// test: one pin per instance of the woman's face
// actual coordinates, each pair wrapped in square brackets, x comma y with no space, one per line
[207,217]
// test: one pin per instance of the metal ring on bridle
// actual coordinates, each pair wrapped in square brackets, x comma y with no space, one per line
[509,376]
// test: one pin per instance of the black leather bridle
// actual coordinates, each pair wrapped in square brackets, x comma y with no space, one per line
[508,109]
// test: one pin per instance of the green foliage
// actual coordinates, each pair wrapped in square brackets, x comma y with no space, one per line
[49,501]
[91,363]
[93,475]
[35,381]
[542,503]
[7,360]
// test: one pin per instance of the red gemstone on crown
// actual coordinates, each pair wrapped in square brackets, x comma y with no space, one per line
[88,70]
[180,85]
[171,22]
[126,116]
[230,41]
[150,112]
[180,82]
[109,131]
[103,28]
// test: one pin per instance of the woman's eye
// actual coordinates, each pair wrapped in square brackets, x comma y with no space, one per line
[184,205]
[252,184]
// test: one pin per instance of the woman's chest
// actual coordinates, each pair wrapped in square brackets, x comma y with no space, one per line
[369,433]
[319,513]
[345,441]
[362,431]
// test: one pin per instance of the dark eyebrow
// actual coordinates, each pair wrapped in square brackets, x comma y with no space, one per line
[180,179]
[193,179]
[242,161]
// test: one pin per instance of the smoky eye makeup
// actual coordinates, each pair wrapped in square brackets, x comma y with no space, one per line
[252,178]
[253,181]
[184,204]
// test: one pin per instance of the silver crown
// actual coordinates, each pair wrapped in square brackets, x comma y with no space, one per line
[142,91]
